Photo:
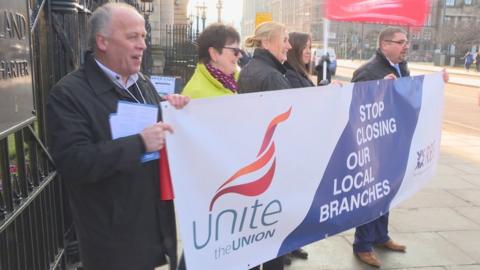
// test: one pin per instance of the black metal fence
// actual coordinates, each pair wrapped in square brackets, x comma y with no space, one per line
[180,51]
[35,228]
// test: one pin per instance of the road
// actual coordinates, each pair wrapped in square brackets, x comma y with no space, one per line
[462,108]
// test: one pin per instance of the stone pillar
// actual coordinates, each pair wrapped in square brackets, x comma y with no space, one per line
[167,9]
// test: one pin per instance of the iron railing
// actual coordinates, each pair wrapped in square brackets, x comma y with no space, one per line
[180,51]
[36,230]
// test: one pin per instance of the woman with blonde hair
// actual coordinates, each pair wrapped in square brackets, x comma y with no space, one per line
[266,71]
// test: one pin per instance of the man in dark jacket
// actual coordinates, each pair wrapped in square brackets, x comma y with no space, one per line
[120,220]
[388,63]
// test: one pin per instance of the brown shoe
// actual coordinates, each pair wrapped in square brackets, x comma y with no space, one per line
[369,258]
[394,246]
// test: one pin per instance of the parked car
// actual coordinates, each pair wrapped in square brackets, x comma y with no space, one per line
[317,55]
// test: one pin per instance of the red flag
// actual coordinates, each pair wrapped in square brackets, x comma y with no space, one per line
[166,189]
[404,12]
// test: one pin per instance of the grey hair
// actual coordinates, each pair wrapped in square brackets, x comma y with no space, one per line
[99,21]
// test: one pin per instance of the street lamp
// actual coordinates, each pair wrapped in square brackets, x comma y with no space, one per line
[219,7]
[190,22]
[203,10]
[198,16]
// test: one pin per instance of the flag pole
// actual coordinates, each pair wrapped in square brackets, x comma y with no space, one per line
[326,23]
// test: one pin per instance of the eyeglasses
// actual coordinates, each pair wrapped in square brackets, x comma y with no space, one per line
[400,42]
[236,51]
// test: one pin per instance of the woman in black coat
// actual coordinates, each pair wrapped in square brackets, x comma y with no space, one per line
[266,72]
[298,59]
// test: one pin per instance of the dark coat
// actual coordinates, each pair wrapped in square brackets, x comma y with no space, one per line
[120,221]
[297,79]
[263,73]
[377,68]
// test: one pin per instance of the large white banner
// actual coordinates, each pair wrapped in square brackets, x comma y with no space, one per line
[258,175]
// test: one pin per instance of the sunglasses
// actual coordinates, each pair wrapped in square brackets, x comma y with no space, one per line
[236,51]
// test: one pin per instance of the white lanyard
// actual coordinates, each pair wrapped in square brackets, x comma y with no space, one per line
[133,96]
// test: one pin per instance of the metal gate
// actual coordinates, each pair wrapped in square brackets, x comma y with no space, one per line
[180,52]
[35,226]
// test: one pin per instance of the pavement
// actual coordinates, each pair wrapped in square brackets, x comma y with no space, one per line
[458,75]
[440,224]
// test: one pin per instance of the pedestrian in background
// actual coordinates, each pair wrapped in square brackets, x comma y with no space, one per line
[266,72]
[244,59]
[324,60]
[477,61]
[218,53]
[297,64]
[119,218]
[468,60]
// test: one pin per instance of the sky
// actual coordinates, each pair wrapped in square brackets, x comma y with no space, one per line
[231,14]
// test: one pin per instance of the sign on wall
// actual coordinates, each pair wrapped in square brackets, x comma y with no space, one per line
[16,96]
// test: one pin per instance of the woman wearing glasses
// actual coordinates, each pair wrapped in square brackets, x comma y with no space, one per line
[216,72]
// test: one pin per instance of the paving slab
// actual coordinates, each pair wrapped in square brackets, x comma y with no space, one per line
[467,241]
[467,168]
[464,267]
[430,220]
[472,213]
[428,198]
[472,179]
[449,182]
[332,253]
[423,268]
[448,169]
[469,195]
[427,249]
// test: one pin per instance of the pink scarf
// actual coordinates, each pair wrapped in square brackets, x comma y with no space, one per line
[228,81]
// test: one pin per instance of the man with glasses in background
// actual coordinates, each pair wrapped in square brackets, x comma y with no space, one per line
[389,62]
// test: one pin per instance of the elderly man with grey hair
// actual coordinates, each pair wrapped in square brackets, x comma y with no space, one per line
[120,220]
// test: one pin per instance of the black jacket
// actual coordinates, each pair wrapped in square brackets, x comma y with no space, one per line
[120,221]
[297,79]
[263,73]
[377,68]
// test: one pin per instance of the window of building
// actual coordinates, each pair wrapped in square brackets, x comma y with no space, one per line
[450,3]
[468,2]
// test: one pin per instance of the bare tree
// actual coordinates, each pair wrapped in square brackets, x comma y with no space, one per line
[463,35]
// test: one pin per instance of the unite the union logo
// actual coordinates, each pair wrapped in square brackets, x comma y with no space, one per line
[264,156]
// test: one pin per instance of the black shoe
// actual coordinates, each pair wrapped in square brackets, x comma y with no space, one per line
[287,260]
[300,253]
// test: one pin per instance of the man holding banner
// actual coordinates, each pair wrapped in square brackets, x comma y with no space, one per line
[388,63]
